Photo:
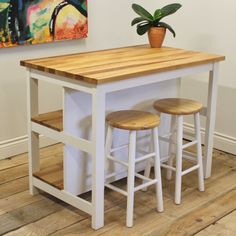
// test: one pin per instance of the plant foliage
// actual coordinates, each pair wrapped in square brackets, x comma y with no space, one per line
[146,20]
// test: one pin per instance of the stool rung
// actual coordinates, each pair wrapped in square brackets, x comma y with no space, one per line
[145,185]
[189,144]
[168,167]
[116,189]
[118,161]
[190,169]
[119,148]
[142,177]
[143,158]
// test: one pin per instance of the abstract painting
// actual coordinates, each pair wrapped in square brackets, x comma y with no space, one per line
[25,22]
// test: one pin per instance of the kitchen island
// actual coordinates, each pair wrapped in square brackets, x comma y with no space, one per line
[94,83]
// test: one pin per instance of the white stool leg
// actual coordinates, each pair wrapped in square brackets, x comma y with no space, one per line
[199,151]
[178,177]
[131,178]
[108,146]
[170,151]
[149,163]
[157,169]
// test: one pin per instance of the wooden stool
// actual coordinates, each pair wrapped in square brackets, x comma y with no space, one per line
[178,107]
[133,121]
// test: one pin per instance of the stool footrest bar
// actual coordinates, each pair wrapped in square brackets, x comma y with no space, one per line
[168,167]
[118,161]
[189,144]
[143,158]
[116,189]
[145,185]
[190,169]
[143,177]
[119,148]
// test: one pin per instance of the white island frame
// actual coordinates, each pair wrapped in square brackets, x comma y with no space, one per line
[95,147]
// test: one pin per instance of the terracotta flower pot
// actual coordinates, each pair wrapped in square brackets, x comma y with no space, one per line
[156,36]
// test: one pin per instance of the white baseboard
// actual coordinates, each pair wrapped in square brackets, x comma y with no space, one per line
[221,141]
[19,145]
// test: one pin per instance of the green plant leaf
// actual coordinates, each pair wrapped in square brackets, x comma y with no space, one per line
[157,14]
[137,20]
[170,9]
[142,12]
[162,24]
[142,28]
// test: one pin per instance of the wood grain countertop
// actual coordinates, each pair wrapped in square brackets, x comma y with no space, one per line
[122,63]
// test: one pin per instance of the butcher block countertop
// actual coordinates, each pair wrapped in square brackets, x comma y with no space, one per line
[105,66]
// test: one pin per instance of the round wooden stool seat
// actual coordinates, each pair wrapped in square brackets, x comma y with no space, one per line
[133,120]
[177,106]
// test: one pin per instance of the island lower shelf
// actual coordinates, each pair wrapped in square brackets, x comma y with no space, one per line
[52,175]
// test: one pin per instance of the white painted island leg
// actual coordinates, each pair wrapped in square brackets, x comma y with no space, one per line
[81,170]
[33,138]
[210,118]
[98,158]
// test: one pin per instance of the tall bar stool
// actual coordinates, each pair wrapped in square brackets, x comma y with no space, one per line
[178,107]
[134,121]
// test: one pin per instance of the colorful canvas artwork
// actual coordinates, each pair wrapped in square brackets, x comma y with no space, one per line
[24,22]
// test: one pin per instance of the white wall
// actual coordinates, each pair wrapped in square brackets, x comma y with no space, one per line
[109,27]
[201,25]
[210,26]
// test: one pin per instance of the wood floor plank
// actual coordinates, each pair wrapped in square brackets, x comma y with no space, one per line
[17,201]
[18,210]
[13,161]
[23,158]
[147,220]
[14,187]
[48,224]
[224,227]
[22,170]
[221,167]
[201,217]
[114,223]
[192,200]
[63,218]
[27,214]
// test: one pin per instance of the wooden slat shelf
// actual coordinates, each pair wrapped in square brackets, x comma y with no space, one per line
[52,120]
[52,175]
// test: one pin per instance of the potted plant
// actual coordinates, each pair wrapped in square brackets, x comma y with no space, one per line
[146,22]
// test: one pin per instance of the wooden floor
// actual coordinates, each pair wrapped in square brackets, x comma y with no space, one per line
[203,214]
